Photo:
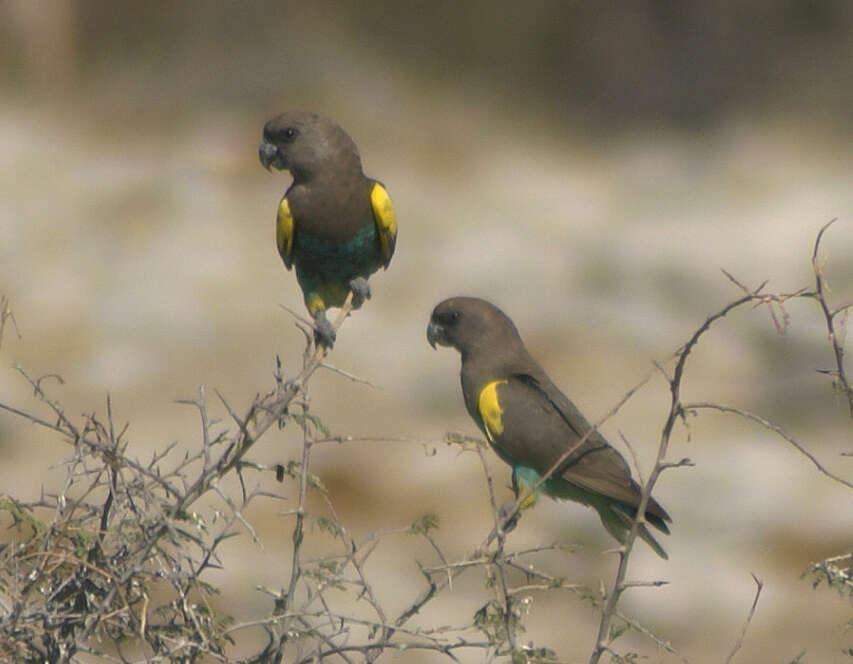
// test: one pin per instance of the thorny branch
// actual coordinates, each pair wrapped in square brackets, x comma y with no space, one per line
[677,410]
[830,315]
[90,569]
[618,585]
[95,573]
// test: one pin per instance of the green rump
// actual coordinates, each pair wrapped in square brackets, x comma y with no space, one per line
[325,267]
[525,478]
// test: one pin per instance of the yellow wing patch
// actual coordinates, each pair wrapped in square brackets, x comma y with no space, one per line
[490,409]
[284,232]
[386,220]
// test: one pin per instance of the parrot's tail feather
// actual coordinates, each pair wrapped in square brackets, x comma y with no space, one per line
[618,523]
[651,518]
[649,539]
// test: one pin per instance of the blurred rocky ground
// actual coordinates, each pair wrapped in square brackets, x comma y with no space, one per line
[588,168]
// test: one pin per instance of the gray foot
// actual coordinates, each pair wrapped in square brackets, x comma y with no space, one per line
[324,332]
[360,291]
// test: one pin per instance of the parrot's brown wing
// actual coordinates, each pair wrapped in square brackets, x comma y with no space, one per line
[541,425]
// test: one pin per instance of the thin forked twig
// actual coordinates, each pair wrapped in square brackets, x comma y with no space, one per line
[759,584]
[7,315]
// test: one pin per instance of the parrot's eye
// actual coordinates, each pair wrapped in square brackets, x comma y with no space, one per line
[448,318]
[287,134]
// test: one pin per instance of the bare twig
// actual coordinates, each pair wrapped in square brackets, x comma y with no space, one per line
[758,586]
[830,315]
[348,375]
[767,424]
[7,315]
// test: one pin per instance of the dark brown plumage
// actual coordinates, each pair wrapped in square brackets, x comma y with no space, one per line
[335,225]
[530,423]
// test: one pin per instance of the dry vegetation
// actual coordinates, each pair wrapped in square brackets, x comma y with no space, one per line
[115,566]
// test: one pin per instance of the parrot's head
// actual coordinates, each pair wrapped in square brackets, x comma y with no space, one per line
[307,144]
[469,323]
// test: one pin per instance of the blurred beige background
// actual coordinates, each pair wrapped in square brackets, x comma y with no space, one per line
[589,168]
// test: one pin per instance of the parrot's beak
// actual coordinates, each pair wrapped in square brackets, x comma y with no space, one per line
[435,334]
[269,156]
